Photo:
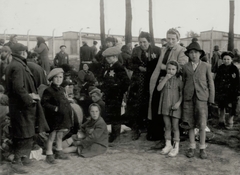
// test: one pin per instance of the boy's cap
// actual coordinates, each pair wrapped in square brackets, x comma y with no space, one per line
[6,48]
[112,51]
[63,46]
[18,47]
[227,53]
[54,72]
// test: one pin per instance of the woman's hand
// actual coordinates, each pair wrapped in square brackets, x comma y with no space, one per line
[176,106]
[142,69]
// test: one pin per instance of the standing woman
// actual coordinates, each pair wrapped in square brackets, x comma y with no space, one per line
[173,51]
[42,49]
[143,62]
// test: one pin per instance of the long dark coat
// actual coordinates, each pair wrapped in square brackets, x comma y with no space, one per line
[54,97]
[43,50]
[38,73]
[115,84]
[96,141]
[61,58]
[227,85]
[19,84]
[137,105]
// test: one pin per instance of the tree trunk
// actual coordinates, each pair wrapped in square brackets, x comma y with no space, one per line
[151,23]
[128,27]
[102,24]
[231,26]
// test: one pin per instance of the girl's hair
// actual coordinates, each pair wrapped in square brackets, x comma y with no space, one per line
[94,104]
[174,31]
[174,63]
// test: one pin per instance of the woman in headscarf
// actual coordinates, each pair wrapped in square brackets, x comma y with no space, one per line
[142,63]
[173,51]
[42,49]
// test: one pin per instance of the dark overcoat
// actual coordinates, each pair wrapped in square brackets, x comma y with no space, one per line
[86,53]
[43,50]
[115,84]
[38,73]
[22,110]
[52,98]
[61,58]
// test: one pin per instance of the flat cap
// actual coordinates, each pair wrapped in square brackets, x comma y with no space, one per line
[17,47]
[112,51]
[12,36]
[54,72]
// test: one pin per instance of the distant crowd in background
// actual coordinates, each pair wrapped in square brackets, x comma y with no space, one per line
[160,91]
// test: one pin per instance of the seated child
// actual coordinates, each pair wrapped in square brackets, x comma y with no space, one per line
[92,139]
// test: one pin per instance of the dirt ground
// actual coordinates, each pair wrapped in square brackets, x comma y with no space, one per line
[134,157]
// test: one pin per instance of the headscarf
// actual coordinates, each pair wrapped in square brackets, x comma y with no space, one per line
[40,40]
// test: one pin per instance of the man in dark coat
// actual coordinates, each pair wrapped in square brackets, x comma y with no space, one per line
[61,57]
[86,56]
[12,41]
[23,98]
[115,84]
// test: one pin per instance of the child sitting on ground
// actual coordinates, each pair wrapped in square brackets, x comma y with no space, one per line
[92,139]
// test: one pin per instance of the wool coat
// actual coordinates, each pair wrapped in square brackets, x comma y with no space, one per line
[86,53]
[115,84]
[19,84]
[96,140]
[61,58]
[227,84]
[54,97]
[43,50]
[176,54]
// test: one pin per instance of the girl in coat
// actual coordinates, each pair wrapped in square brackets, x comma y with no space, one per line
[227,89]
[58,113]
[92,139]
[169,106]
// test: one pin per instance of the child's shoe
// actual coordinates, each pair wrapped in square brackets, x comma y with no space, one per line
[175,150]
[168,147]
[190,153]
[60,155]
[203,154]
[50,159]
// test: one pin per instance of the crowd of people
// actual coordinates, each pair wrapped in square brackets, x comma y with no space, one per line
[165,90]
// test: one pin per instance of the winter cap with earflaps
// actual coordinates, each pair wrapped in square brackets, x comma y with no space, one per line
[54,72]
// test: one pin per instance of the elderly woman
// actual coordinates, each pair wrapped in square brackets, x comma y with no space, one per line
[173,51]
[42,49]
[142,63]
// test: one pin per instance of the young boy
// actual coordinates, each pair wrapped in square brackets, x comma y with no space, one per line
[198,91]
[115,84]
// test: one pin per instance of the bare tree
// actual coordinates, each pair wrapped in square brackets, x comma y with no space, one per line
[102,23]
[231,26]
[151,23]
[128,27]
[192,34]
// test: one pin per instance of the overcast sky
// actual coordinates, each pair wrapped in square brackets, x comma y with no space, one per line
[42,16]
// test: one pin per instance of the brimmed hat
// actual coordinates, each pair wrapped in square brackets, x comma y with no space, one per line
[227,53]
[54,72]
[6,48]
[112,51]
[18,47]
[194,46]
